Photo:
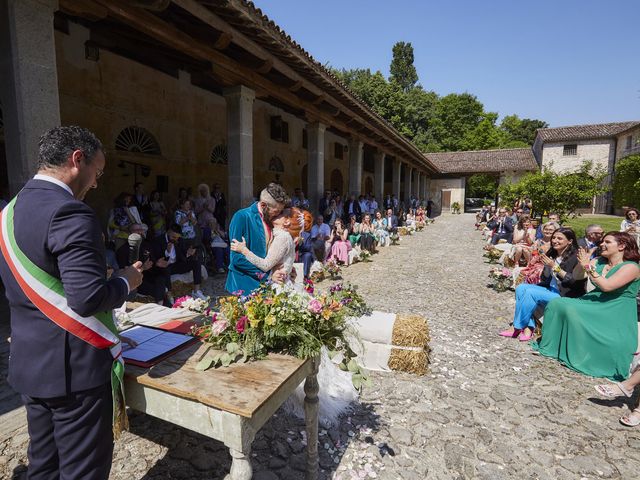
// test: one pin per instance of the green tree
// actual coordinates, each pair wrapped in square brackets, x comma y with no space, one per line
[481,185]
[402,70]
[562,193]
[454,117]
[485,135]
[626,183]
[522,131]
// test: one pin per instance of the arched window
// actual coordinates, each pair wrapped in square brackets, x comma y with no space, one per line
[220,155]
[137,140]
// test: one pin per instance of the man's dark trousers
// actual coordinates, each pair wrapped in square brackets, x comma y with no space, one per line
[84,422]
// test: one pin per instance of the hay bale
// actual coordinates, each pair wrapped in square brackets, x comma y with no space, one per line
[180,289]
[410,361]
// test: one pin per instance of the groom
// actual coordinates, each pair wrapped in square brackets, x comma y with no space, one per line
[254,225]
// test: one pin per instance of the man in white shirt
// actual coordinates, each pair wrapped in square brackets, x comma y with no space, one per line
[320,233]
[373,206]
[364,204]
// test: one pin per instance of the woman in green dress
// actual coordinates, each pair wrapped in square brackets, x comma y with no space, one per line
[597,334]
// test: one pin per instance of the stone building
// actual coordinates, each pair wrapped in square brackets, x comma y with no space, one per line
[564,149]
[448,185]
[183,92]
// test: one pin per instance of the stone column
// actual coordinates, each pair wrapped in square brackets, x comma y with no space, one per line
[28,82]
[396,178]
[355,167]
[240,146]
[378,179]
[315,168]
[407,184]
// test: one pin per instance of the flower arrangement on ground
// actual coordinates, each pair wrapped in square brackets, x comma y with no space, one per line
[283,320]
[493,254]
[395,238]
[332,269]
[420,226]
[402,231]
[502,278]
[364,256]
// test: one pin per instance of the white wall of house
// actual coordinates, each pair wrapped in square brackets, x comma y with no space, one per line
[438,185]
[600,152]
[628,144]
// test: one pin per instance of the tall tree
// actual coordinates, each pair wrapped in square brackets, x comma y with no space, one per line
[402,70]
[521,130]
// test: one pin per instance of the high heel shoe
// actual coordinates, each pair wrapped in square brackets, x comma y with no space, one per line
[510,333]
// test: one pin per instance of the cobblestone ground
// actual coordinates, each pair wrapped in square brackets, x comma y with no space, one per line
[489,409]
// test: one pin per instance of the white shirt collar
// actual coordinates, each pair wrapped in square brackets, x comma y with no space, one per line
[47,178]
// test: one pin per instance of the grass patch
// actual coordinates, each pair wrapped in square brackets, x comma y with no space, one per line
[608,223]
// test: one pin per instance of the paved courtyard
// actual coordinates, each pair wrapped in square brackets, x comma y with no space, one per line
[489,409]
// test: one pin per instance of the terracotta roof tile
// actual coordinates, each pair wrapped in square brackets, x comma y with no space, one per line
[479,161]
[585,132]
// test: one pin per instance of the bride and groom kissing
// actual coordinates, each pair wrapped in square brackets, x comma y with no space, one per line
[262,241]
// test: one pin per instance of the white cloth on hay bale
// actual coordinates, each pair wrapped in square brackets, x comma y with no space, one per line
[336,394]
[188,277]
[373,348]
[152,314]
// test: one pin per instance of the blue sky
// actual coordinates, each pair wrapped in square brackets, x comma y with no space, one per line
[566,62]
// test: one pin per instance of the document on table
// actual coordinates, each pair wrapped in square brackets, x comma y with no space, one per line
[152,343]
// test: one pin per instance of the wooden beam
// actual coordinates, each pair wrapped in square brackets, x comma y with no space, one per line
[295,87]
[319,99]
[223,41]
[266,66]
[84,8]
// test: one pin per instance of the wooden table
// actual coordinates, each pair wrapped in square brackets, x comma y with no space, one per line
[228,404]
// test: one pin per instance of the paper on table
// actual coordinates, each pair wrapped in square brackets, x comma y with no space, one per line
[152,343]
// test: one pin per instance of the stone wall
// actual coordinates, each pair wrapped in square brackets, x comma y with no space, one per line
[622,147]
[600,152]
[437,186]
[113,93]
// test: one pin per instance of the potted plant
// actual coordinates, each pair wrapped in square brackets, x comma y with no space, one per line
[455,207]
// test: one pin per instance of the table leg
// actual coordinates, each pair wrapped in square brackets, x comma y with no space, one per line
[240,465]
[311,389]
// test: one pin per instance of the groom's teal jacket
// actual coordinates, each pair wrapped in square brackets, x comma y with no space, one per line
[243,275]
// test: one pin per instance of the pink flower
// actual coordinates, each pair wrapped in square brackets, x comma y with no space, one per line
[506,272]
[219,326]
[315,306]
[241,324]
[180,301]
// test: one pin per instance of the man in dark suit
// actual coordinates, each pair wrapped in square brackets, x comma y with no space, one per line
[62,372]
[502,227]
[592,238]
[351,207]
[323,206]
[391,223]
[171,255]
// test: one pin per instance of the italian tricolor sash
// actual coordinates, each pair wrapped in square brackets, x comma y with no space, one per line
[47,294]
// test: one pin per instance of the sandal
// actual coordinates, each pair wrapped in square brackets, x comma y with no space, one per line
[525,337]
[612,391]
[510,333]
[631,419]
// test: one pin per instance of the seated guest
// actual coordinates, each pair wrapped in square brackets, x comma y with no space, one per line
[123,214]
[186,218]
[354,231]
[333,213]
[410,219]
[502,227]
[531,273]
[157,213]
[219,245]
[153,281]
[553,217]
[421,215]
[402,216]
[320,234]
[340,245]
[592,238]
[172,255]
[631,224]
[391,222]
[523,238]
[205,207]
[352,207]
[304,244]
[380,231]
[559,278]
[597,334]
[623,389]
[367,238]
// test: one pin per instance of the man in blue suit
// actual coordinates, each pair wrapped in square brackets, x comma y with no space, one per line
[253,224]
[63,378]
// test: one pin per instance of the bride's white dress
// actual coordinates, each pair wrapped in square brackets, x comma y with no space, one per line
[336,388]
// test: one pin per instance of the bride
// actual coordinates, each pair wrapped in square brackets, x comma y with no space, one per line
[336,388]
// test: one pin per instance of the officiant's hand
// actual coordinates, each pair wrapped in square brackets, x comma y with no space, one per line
[237,246]
[128,342]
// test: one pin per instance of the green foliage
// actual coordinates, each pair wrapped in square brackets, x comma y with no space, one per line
[626,186]
[482,185]
[453,122]
[402,70]
[607,222]
[562,193]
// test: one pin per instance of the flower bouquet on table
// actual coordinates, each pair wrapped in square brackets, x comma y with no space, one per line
[283,320]
[493,254]
[197,305]
[502,279]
